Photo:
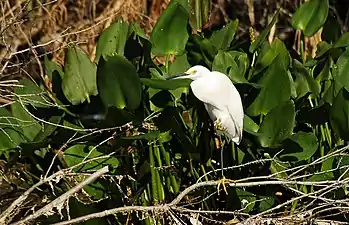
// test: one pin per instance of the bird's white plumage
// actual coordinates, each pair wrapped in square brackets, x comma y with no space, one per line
[221,99]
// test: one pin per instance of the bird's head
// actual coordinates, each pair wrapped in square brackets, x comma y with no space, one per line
[193,73]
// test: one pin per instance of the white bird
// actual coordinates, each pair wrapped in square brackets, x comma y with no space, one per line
[221,99]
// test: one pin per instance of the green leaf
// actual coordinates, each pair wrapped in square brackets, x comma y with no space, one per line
[170,35]
[113,39]
[48,129]
[277,125]
[222,38]
[340,71]
[118,83]
[32,94]
[325,74]
[166,84]
[200,13]
[269,52]
[322,48]
[225,63]
[242,62]
[343,41]
[339,114]
[332,29]
[179,65]
[138,31]
[300,146]
[276,89]
[10,131]
[278,167]
[29,125]
[266,203]
[255,45]
[79,81]
[222,61]
[250,126]
[304,82]
[310,16]
[76,154]
[151,136]
[326,169]
[51,66]
[247,199]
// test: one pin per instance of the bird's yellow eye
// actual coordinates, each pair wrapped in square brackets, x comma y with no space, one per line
[192,72]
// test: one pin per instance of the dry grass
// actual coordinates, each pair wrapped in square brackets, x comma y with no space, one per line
[51,25]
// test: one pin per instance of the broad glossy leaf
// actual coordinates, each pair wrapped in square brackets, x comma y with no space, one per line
[222,62]
[293,85]
[30,127]
[343,41]
[339,114]
[222,38]
[300,146]
[340,72]
[278,167]
[276,89]
[332,29]
[32,94]
[310,16]
[304,82]
[138,31]
[200,50]
[151,136]
[277,125]
[330,92]
[118,83]
[266,203]
[51,66]
[76,154]
[113,39]
[10,131]
[247,199]
[326,170]
[322,48]
[243,63]
[256,44]
[166,84]
[179,65]
[48,129]
[269,52]
[250,126]
[199,13]
[155,74]
[79,81]
[325,74]
[225,62]
[184,3]
[170,35]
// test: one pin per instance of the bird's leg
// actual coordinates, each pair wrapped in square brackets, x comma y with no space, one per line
[220,145]
[223,180]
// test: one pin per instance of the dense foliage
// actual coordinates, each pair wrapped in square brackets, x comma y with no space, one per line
[158,135]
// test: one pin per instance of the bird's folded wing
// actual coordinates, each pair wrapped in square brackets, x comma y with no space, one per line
[209,90]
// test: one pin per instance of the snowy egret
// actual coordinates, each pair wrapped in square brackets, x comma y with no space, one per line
[221,99]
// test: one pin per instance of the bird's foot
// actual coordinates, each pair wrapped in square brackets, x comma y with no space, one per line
[224,181]
[218,125]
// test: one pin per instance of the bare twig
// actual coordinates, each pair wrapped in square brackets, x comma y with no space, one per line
[59,202]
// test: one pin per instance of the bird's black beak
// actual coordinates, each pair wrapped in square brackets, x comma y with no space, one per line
[175,76]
